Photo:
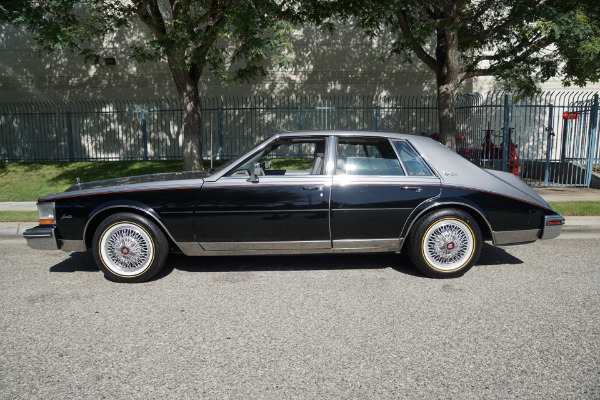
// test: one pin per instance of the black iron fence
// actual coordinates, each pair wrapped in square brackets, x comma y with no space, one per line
[550,139]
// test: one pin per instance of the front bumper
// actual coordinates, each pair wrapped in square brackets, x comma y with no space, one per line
[41,237]
[552,226]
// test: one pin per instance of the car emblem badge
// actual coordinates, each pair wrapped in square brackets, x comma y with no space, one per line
[449,173]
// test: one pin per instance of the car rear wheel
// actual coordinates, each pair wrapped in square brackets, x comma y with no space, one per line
[445,243]
[129,248]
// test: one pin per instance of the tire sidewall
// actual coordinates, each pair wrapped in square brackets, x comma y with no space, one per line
[417,242]
[157,239]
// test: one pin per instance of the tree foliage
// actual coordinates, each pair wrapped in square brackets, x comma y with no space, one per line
[231,38]
[520,42]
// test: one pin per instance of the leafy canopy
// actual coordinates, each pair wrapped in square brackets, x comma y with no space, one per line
[233,38]
[522,42]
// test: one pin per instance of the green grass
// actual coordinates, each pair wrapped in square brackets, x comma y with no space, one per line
[581,208]
[28,181]
[18,216]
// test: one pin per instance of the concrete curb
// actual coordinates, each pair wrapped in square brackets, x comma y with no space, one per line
[15,229]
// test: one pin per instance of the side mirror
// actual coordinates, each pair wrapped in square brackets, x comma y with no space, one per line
[254,173]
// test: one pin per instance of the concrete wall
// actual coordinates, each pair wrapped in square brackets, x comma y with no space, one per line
[336,64]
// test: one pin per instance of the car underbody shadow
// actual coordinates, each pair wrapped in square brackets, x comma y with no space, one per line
[84,262]
[495,255]
[287,263]
[77,262]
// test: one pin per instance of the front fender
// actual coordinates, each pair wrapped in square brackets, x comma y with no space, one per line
[98,214]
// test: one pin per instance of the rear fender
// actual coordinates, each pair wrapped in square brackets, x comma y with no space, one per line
[436,204]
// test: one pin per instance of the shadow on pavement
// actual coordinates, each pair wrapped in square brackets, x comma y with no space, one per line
[491,255]
[76,262]
[84,262]
[400,263]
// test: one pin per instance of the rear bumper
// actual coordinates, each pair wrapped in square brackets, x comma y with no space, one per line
[552,226]
[41,237]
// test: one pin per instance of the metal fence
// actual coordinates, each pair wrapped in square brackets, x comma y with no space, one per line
[548,140]
[152,130]
[528,137]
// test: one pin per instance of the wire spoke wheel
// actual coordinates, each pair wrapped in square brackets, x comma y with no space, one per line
[448,244]
[445,243]
[127,249]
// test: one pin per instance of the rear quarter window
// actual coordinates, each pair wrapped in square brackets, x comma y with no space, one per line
[413,163]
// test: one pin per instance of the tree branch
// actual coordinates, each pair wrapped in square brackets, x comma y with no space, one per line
[471,71]
[153,19]
[414,44]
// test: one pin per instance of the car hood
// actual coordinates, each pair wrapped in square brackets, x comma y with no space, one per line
[171,180]
[130,180]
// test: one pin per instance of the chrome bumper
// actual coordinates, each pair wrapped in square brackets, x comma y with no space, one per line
[41,238]
[552,226]
[551,229]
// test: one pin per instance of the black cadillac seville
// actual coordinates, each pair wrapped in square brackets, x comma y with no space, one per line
[301,193]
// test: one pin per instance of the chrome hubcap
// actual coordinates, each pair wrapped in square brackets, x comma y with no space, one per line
[126,249]
[448,244]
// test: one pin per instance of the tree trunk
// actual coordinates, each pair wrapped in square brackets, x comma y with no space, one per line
[189,97]
[448,80]
[447,93]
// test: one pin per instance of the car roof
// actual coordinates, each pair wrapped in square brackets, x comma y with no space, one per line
[385,134]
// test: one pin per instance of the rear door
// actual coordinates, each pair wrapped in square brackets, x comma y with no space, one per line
[374,191]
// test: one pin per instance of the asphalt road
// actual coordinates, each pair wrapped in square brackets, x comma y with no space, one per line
[524,323]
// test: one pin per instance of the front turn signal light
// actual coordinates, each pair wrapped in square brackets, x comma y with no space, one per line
[46,213]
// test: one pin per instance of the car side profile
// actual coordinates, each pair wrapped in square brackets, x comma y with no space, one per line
[301,193]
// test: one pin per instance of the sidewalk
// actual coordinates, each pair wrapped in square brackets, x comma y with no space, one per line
[572,224]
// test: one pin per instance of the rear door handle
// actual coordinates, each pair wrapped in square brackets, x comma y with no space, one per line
[319,188]
[415,188]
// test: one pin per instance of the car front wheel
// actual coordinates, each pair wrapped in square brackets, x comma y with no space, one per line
[129,248]
[445,243]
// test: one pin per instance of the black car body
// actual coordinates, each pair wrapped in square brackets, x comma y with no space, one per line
[326,192]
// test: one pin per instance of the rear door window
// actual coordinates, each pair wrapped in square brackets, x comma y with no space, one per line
[366,156]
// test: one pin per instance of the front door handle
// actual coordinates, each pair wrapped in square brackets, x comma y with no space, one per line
[319,188]
[415,188]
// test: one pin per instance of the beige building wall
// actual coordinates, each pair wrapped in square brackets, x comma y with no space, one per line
[339,64]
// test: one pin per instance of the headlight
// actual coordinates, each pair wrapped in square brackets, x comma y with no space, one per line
[46,213]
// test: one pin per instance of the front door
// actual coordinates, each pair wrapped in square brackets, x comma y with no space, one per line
[286,209]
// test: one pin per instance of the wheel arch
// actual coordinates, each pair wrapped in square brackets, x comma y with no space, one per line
[101,212]
[461,204]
